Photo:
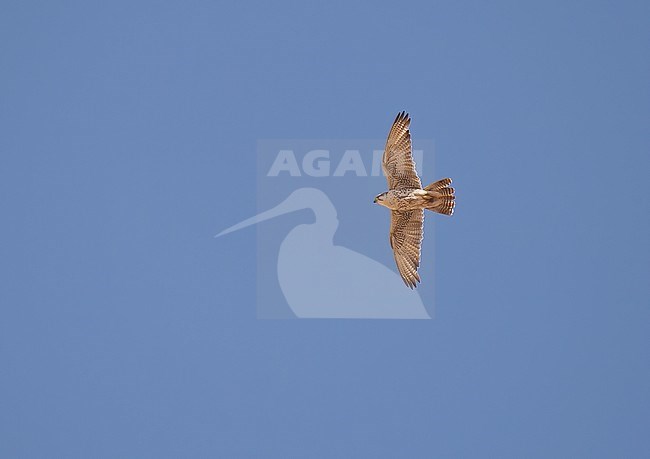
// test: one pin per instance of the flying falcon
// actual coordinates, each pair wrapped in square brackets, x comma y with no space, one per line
[407,200]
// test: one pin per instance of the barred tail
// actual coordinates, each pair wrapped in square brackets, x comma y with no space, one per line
[441,197]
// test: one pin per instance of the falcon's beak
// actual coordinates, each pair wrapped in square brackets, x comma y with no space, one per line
[375,200]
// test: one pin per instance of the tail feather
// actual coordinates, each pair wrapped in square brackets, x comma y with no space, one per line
[441,195]
[440,184]
[442,192]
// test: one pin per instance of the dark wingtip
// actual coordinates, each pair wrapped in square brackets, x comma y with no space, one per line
[411,284]
[402,116]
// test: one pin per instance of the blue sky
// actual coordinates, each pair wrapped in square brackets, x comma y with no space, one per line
[126,330]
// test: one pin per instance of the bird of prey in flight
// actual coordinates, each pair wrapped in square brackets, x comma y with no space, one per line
[407,200]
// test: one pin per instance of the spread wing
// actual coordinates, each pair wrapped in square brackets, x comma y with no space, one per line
[398,162]
[406,229]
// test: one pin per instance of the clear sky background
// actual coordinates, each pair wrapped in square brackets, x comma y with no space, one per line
[127,137]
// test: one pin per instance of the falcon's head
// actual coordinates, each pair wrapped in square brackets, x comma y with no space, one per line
[380,198]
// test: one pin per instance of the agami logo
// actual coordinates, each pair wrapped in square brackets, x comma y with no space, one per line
[316,163]
[322,248]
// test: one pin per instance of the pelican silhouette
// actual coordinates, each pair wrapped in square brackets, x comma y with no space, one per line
[323,280]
